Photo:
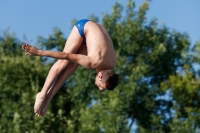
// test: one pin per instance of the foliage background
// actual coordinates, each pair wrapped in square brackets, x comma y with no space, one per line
[159,89]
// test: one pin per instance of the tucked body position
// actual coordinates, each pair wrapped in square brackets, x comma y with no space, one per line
[88,45]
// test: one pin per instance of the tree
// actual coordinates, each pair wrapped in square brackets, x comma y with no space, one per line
[184,89]
[148,55]
[20,78]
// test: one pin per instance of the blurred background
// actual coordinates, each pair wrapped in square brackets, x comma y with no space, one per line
[157,44]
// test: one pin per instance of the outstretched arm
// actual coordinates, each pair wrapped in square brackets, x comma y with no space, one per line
[82,60]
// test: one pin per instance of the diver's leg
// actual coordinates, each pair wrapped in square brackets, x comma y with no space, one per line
[71,67]
[72,45]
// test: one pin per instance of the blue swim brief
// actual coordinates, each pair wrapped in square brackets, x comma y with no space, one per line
[80,26]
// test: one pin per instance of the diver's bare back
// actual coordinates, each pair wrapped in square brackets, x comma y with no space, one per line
[100,47]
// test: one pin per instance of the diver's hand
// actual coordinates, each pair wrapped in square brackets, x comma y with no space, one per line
[30,50]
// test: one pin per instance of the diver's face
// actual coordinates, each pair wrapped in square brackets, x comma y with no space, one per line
[99,83]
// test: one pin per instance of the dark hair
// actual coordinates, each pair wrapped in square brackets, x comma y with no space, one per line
[110,78]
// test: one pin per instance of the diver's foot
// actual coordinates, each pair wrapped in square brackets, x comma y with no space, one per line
[39,103]
[46,105]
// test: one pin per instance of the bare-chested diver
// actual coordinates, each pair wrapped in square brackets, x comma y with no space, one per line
[88,45]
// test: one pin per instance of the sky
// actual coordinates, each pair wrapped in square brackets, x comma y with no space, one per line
[31,19]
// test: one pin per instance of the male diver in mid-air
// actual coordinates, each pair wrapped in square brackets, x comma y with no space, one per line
[88,45]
